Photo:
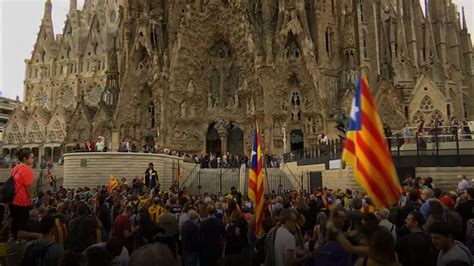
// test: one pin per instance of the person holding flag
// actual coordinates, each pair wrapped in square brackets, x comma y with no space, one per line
[366,149]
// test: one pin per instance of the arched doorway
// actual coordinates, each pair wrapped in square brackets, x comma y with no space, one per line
[48,153]
[297,140]
[235,139]
[213,141]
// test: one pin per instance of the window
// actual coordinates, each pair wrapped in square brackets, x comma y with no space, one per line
[364,43]
[97,49]
[465,109]
[113,16]
[361,11]
[328,41]
[43,57]
[426,104]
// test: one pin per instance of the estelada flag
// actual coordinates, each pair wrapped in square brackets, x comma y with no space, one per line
[256,182]
[113,183]
[180,171]
[366,149]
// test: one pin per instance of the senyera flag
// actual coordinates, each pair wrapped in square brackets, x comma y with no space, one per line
[256,190]
[366,149]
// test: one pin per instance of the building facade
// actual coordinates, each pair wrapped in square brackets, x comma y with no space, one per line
[195,75]
[6,109]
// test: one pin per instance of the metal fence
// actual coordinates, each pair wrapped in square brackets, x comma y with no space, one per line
[220,181]
[431,147]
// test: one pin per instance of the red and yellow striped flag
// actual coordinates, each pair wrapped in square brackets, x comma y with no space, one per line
[113,183]
[366,149]
[256,182]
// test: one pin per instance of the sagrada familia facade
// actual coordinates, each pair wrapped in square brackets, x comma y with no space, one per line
[195,75]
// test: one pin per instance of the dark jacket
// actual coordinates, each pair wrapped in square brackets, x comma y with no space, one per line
[211,233]
[190,237]
[151,181]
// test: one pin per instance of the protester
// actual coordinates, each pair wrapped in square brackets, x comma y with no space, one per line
[410,246]
[285,250]
[327,227]
[211,234]
[82,229]
[43,250]
[20,206]
[114,247]
[450,250]
[190,240]
[463,184]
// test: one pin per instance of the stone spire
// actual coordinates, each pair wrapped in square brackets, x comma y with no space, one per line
[464,24]
[48,7]
[47,21]
[72,5]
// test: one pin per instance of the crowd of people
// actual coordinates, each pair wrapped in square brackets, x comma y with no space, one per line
[452,130]
[141,224]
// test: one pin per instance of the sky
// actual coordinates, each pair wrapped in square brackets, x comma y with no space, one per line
[19,25]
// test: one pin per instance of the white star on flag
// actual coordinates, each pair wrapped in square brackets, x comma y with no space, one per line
[354,110]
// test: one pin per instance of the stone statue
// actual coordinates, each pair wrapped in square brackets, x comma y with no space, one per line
[295,114]
[236,100]
[177,133]
[244,85]
[230,103]
[209,100]
[191,88]
[192,111]
[185,134]
[308,125]
[252,105]
[183,109]
[351,77]
[195,135]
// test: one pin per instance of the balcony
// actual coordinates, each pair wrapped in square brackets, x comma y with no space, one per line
[433,147]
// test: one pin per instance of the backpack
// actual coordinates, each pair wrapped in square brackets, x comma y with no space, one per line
[270,247]
[7,191]
[35,253]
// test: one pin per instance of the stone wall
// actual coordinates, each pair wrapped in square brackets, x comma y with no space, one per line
[94,168]
[444,178]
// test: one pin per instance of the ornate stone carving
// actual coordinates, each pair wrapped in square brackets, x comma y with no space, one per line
[41,99]
[213,60]
[67,98]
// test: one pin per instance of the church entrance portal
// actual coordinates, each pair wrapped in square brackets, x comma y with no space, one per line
[297,140]
[235,139]
[213,141]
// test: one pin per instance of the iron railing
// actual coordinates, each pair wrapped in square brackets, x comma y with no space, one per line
[440,146]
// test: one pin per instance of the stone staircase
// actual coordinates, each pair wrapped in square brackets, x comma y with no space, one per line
[340,179]
[445,178]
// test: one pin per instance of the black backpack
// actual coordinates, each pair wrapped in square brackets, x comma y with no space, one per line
[7,190]
[35,254]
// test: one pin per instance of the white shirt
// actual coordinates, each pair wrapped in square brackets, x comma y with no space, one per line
[120,260]
[391,227]
[463,186]
[284,241]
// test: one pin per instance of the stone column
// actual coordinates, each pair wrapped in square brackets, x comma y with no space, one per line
[115,140]
[223,137]
[221,88]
